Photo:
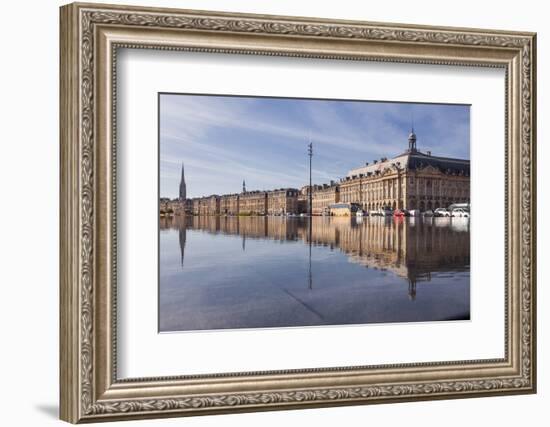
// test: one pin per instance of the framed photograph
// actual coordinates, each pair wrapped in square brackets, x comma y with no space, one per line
[266,212]
[350,245]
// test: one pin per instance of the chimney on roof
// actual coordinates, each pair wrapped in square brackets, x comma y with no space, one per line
[429,153]
[375,161]
[367,163]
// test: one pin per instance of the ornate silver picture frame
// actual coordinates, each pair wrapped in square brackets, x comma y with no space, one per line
[91,36]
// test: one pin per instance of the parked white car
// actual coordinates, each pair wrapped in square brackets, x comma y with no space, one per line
[442,212]
[382,212]
[460,213]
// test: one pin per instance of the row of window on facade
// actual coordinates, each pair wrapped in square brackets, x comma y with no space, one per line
[296,202]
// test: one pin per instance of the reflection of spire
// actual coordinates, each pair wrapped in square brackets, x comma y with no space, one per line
[412,288]
[182,239]
[244,242]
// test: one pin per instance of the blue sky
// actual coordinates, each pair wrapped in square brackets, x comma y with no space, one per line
[223,140]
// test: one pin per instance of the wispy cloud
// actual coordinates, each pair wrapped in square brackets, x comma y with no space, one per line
[223,140]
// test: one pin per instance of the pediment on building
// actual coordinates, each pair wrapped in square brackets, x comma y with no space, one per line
[387,171]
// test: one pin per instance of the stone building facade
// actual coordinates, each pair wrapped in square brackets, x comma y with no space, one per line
[205,206]
[303,199]
[166,207]
[213,205]
[229,204]
[169,207]
[282,201]
[411,180]
[195,210]
[185,206]
[323,196]
[253,203]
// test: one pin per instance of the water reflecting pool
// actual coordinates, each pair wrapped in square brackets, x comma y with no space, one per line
[256,272]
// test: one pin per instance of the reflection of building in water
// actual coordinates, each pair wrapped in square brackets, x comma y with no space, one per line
[412,249]
[182,238]
[181,223]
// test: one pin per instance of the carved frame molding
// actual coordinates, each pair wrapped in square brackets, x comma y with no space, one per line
[90,36]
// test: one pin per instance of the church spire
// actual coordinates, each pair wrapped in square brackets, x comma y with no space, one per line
[244,187]
[183,186]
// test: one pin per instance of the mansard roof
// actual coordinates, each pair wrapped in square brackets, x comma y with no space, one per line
[418,160]
[412,160]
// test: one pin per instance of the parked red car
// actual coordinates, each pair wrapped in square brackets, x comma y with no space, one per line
[400,213]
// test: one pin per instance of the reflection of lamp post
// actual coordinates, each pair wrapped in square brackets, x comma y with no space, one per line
[412,289]
[244,241]
[310,154]
[310,275]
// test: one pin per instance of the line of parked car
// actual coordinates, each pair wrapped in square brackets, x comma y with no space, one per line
[439,212]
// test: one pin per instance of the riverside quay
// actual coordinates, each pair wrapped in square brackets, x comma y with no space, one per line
[410,180]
